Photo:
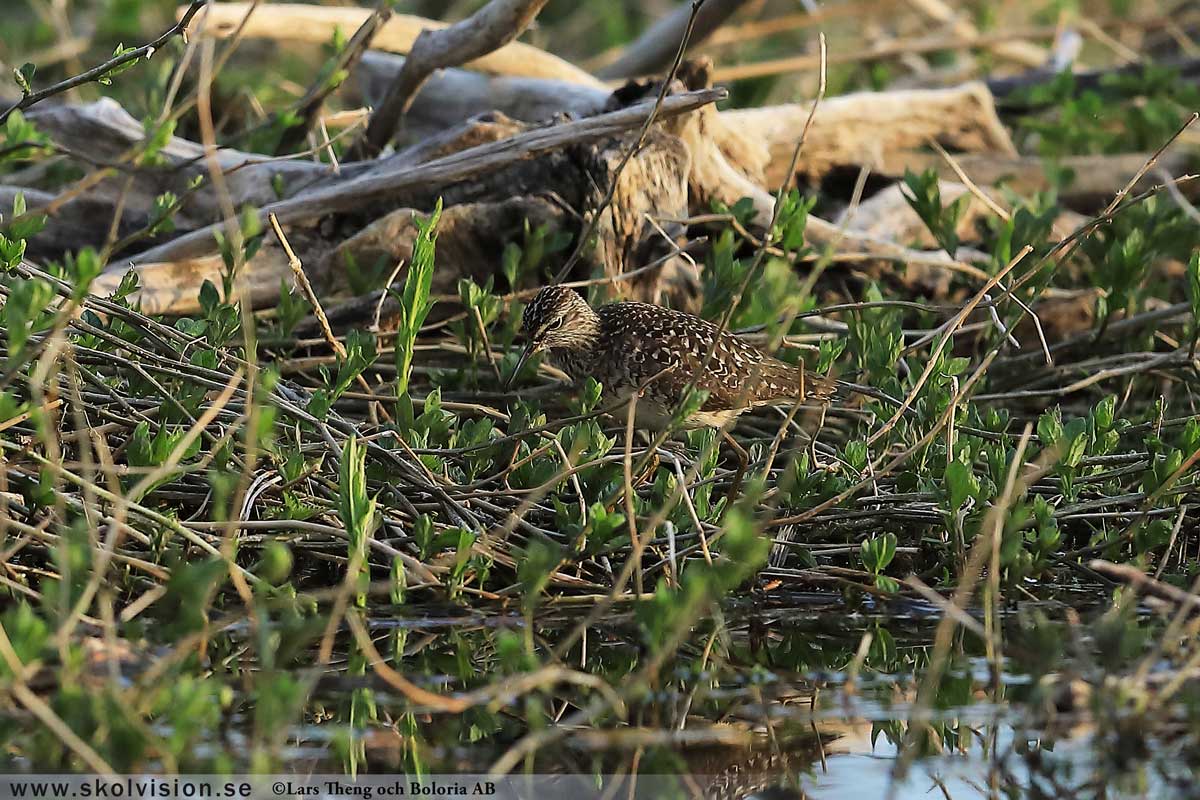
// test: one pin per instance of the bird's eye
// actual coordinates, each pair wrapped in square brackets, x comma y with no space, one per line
[554,324]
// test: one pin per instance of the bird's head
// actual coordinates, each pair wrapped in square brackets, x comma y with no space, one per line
[557,319]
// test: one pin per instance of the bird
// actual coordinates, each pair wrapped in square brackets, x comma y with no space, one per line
[656,354]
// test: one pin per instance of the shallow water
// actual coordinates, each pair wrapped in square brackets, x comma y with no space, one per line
[824,695]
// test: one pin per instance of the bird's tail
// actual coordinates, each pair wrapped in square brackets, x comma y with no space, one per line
[782,381]
[819,387]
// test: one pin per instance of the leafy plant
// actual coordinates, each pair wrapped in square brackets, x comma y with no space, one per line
[356,509]
[414,308]
[924,195]
[877,553]
[360,354]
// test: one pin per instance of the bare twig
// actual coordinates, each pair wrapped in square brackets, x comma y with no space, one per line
[310,105]
[655,47]
[98,72]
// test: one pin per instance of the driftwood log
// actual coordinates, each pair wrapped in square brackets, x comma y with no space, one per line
[315,24]
[488,172]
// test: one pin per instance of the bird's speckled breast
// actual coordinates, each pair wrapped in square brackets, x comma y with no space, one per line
[579,364]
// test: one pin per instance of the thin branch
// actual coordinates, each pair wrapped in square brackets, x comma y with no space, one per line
[655,47]
[309,106]
[98,72]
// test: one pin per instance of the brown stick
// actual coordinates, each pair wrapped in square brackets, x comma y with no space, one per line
[310,105]
[1134,577]
[489,28]
[655,48]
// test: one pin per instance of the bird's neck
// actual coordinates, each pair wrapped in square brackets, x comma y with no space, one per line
[577,356]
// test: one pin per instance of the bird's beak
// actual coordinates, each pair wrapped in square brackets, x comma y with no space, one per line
[530,348]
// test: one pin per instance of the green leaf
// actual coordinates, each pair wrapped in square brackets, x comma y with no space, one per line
[589,396]
[23,225]
[156,136]
[923,193]
[961,483]
[11,252]
[856,454]
[878,552]
[120,50]
[356,509]
[1105,413]
[165,206]
[27,633]
[209,298]
[539,560]
[414,299]
[956,366]
[886,584]
[1049,427]
[130,283]
[24,77]
[1075,450]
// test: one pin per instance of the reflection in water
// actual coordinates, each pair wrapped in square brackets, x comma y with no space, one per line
[786,696]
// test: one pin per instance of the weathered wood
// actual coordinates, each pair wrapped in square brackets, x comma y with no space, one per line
[173,287]
[494,25]
[109,135]
[885,131]
[488,200]
[104,133]
[423,180]
[874,128]
[653,186]
[316,24]
[84,222]
[453,95]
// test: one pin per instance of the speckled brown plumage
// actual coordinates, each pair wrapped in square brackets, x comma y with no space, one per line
[629,347]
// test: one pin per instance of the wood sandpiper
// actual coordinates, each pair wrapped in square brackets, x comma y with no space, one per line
[656,354]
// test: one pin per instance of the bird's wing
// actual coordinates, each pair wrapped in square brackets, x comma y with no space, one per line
[670,351]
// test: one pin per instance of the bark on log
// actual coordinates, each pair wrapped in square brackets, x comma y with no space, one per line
[104,132]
